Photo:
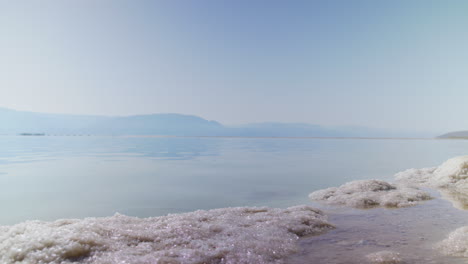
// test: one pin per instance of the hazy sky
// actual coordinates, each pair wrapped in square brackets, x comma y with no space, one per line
[400,64]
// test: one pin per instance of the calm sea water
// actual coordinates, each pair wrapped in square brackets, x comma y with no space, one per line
[48,178]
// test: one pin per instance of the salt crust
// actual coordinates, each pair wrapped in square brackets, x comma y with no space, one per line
[370,193]
[450,178]
[385,257]
[452,173]
[456,244]
[419,177]
[222,236]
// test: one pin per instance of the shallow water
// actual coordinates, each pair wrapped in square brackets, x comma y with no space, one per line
[49,178]
[413,232]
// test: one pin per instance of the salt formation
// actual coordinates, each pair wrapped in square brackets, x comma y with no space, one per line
[456,244]
[370,193]
[450,178]
[419,177]
[452,173]
[384,257]
[229,235]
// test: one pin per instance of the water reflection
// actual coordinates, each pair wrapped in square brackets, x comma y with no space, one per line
[458,198]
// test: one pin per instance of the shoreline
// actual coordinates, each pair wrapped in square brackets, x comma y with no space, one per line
[234,137]
[411,233]
[358,233]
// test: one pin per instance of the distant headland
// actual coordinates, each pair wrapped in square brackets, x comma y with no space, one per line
[455,135]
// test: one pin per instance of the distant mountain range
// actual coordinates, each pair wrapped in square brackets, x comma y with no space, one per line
[22,122]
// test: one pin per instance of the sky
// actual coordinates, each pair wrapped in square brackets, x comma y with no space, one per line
[400,64]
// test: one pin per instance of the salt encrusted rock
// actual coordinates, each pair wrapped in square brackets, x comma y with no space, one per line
[229,235]
[418,177]
[370,193]
[450,178]
[456,244]
[452,173]
[385,257]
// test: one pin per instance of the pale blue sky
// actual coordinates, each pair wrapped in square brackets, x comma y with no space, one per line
[385,64]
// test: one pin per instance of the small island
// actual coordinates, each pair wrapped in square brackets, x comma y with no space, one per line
[32,134]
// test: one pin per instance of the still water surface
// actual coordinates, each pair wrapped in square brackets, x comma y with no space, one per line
[48,178]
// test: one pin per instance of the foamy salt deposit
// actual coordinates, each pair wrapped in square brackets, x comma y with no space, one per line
[452,173]
[384,257]
[420,177]
[230,235]
[456,244]
[370,193]
[450,178]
